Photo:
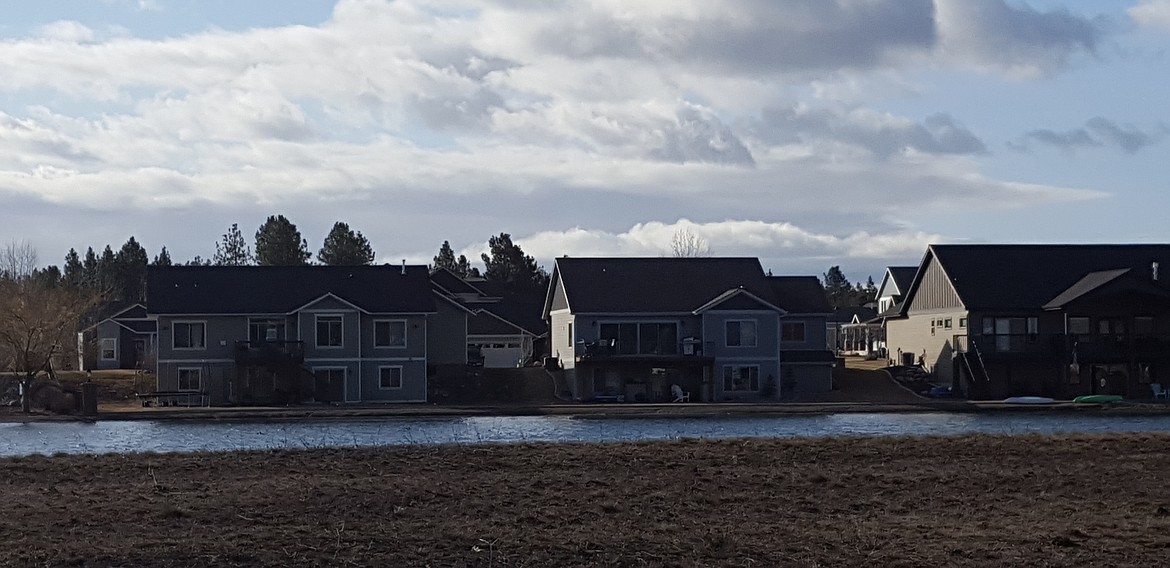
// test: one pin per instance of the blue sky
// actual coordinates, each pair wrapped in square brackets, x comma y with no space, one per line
[805,132]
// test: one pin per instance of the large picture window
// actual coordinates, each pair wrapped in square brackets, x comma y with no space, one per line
[390,333]
[261,330]
[741,378]
[390,378]
[641,338]
[189,335]
[190,379]
[741,333]
[329,331]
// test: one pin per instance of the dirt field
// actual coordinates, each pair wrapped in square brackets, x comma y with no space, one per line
[969,501]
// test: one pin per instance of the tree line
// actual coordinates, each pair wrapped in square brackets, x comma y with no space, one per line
[841,293]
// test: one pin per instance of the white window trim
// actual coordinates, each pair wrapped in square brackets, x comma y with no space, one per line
[178,379]
[727,337]
[405,339]
[317,330]
[803,329]
[113,349]
[401,377]
[723,377]
[176,323]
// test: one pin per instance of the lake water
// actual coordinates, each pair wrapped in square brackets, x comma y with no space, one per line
[17,439]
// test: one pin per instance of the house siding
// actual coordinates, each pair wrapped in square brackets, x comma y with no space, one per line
[763,355]
[935,292]
[913,335]
[447,335]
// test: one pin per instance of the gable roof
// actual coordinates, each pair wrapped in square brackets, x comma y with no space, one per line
[652,285]
[847,314]
[799,294]
[284,289]
[901,277]
[1026,277]
[451,283]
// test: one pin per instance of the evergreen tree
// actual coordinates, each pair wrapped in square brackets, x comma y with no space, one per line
[344,247]
[279,243]
[508,263]
[446,257]
[232,249]
[198,261]
[89,270]
[74,271]
[838,289]
[130,271]
[163,258]
[464,268]
[107,273]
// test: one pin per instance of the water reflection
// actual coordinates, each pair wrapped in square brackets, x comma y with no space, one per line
[169,436]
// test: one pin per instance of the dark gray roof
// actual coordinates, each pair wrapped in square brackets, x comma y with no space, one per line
[655,285]
[903,276]
[1029,276]
[452,283]
[283,289]
[1088,283]
[845,314]
[799,294]
[139,326]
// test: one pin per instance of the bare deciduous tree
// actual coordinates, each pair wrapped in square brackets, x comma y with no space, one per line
[686,244]
[38,318]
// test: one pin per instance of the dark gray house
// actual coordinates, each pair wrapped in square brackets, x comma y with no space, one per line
[1053,320]
[278,334]
[124,340]
[504,327]
[718,328]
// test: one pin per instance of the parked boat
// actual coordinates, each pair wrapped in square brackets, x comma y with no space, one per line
[1098,398]
[1029,400]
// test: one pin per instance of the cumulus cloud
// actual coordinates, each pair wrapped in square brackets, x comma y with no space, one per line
[1097,132]
[1017,38]
[1152,14]
[881,133]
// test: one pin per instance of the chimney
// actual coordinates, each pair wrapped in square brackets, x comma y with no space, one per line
[1154,270]
[404,268]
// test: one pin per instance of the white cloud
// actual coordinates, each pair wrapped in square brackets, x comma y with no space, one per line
[67,31]
[1152,14]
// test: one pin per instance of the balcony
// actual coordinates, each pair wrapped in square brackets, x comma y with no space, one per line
[614,348]
[1045,345]
[269,353]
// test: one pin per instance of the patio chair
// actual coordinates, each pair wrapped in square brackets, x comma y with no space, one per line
[1159,391]
[679,394]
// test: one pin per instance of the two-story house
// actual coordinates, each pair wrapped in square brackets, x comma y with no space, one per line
[1053,320]
[504,328]
[718,328]
[124,340]
[278,334]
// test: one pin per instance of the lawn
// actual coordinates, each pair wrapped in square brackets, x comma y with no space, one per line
[965,501]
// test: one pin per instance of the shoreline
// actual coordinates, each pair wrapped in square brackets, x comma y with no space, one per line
[586,411]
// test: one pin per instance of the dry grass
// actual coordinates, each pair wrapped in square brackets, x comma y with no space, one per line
[968,501]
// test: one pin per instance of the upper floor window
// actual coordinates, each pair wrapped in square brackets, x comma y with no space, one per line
[1078,326]
[189,335]
[792,331]
[641,338]
[1011,333]
[741,333]
[329,331]
[260,330]
[390,333]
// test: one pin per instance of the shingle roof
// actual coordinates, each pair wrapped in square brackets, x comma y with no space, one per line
[799,294]
[452,283]
[282,289]
[1029,276]
[903,276]
[655,285]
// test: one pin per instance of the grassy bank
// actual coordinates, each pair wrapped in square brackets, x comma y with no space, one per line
[975,500]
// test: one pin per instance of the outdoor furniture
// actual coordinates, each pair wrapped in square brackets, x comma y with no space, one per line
[679,394]
[173,398]
[1159,391]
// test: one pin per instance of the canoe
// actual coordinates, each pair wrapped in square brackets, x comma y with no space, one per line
[1029,400]
[1098,398]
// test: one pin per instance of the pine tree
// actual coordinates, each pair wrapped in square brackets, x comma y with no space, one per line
[74,271]
[107,273]
[130,271]
[232,249]
[90,277]
[163,258]
[279,243]
[838,289]
[198,261]
[508,263]
[344,247]
[446,257]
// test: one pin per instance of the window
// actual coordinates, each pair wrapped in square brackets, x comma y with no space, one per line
[329,331]
[741,333]
[1011,334]
[792,331]
[741,379]
[1078,326]
[109,349]
[190,379]
[641,338]
[947,323]
[189,335]
[962,323]
[389,378]
[261,330]
[390,333]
